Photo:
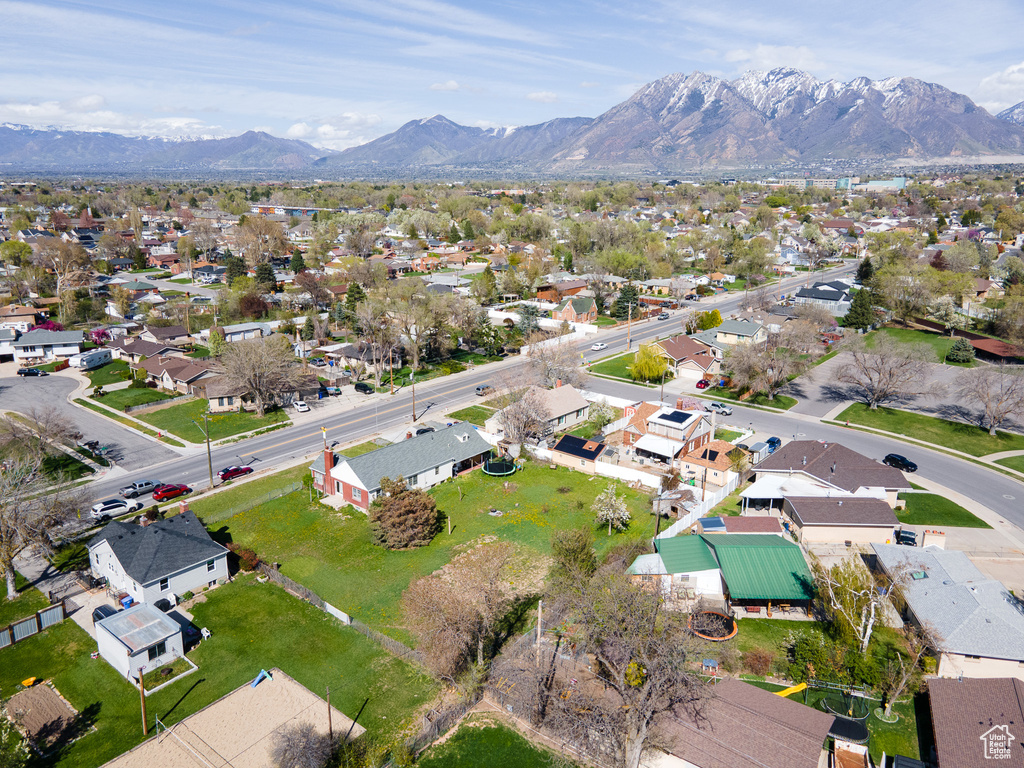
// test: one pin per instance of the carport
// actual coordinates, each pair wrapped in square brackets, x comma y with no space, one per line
[657,448]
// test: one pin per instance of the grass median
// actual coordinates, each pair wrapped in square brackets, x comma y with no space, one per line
[126,422]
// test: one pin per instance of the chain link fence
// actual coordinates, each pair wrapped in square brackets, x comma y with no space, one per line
[219,515]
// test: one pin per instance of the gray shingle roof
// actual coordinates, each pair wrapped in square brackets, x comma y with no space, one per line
[33,338]
[158,550]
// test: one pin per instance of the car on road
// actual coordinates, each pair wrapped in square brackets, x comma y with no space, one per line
[104,510]
[31,372]
[364,388]
[599,346]
[300,406]
[170,491]
[229,473]
[663,316]
[484,389]
[720,408]
[139,488]
[899,462]
[703,384]
[101,612]
[774,443]
[692,297]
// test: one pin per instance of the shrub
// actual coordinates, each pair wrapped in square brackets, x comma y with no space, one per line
[758,661]
[449,367]
[138,384]
[186,596]
[247,559]
[401,517]
[961,351]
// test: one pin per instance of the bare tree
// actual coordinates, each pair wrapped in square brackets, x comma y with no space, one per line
[264,368]
[69,263]
[316,285]
[902,673]
[763,298]
[259,239]
[377,331]
[763,369]
[556,361]
[887,371]
[39,432]
[522,414]
[204,235]
[302,746]
[999,390]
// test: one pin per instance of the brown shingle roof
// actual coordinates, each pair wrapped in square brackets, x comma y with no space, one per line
[644,411]
[963,711]
[751,524]
[817,510]
[714,455]
[684,349]
[852,470]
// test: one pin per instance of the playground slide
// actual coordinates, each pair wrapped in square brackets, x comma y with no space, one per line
[792,689]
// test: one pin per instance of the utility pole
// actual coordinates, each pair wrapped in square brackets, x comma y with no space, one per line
[142,697]
[540,626]
[330,725]
[663,383]
[412,378]
[206,434]
[629,325]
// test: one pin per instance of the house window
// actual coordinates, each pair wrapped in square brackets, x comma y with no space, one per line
[975,659]
[157,650]
[579,414]
[583,462]
[231,400]
[209,565]
[437,471]
[413,480]
[220,401]
[561,419]
[164,585]
[357,494]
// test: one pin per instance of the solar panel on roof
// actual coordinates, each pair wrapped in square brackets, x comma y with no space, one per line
[679,417]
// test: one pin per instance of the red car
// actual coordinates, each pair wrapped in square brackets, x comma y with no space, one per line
[230,473]
[703,384]
[170,491]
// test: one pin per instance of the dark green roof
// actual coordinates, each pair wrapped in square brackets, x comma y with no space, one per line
[579,306]
[685,554]
[761,566]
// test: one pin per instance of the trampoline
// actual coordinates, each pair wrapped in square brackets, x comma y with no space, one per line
[846,706]
[850,730]
[499,466]
[713,626]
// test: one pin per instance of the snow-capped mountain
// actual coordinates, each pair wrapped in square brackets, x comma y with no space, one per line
[1014,114]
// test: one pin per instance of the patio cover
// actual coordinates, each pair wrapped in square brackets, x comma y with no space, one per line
[659,446]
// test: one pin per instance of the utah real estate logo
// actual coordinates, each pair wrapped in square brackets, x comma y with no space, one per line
[997,742]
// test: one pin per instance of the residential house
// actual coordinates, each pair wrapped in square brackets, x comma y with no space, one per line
[712,464]
[133,349]
[362,357]
[176,374]
[224,395]
[672,434]
[171,335]
[555,292]
[637,414]
[974,623]
[157,561]
[831,520]
[833,296]
[19,318]
[140,637]
[681,568]
[563,407]
[241,331]
[730,333]
[7,338]
[577,453]
[423,461]
[690,360]
[578,310]
[740,524]
[975,722]
[167,261]
[47,346]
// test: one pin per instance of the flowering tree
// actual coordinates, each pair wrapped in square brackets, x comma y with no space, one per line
[611,508]
[99,336]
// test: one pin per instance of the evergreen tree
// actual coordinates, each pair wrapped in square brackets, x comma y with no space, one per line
[297,264]
[629,297]
[353,298]
[217,344]
[308,330]
[265,277]
[486,285]
[865,271]
[961,351]
[453,234]
[860,314]
[468,233]
[235,268]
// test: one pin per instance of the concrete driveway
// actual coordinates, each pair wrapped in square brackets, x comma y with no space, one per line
[130,451]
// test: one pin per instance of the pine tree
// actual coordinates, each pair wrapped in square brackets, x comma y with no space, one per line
[961,351]
[235,268]
[860,314]
[468,233]
[265,276]
[453,234]
[308,330]
[353,298]
[865,271]
[217,344]
[297,264]
[629,298]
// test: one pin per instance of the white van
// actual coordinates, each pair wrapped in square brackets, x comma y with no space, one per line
[94,358]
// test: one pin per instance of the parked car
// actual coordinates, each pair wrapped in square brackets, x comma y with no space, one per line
[774,443]
[906,538]
[170,491]
[317,362]
[484,389]
[424,430]
[104,510]
[300,406]
[101,612]
[139,488]
[900,462]
[692,297]
[720,408]
[31,372]
[599,346]
[364,388]
[229,473]
[663,316]
[703,384]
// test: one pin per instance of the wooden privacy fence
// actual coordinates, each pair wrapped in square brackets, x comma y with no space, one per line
[33,625]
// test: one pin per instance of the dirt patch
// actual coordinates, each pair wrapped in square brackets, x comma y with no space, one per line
[44,716]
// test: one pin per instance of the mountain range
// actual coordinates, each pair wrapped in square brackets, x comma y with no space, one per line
[682,122]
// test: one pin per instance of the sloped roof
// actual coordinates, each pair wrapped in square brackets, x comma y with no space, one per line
[963,711]
[819,510]
[160,549]
[578,447]
[33,338]
[852,470]
[561,400]
[685,554]
[761,566]
[140,627]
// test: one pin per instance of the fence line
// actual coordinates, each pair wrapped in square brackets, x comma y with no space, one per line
[157,404]
[33,625]
[697,510]
[225,513]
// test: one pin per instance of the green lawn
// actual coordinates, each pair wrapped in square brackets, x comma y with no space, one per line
[616,366]
[932,509]
[474,414]
[108,374]
[120,399]
[28,601]
[71,468]
[605,322]
[730,506]
[178,420]
[783,402]
[180,280]
[333,553]
[92,406]
[727,434]
[1013,462]
[939,343]
[967,438]
[589,428]
[198,351]
[254,626]
[483,741]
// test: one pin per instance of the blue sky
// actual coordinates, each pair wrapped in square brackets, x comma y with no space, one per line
[341,73]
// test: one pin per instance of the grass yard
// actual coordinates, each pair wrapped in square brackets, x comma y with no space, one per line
[967,438]
[92,406]
[483,741]
[605,322]
[932,509]
[254,626]
[589,428]
[727,434]
[773,635]
[70,467]
[616,366]
[108,374]
[332,552]
[28,601]
[1013,462]
[360,449]
[178,420]
[120,399]
[783,402]
[166,673]
[939,343]
[474,414]
[180,280]
[198,351]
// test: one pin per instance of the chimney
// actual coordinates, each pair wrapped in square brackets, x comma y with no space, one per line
[328,466]
[408,435]
[558,383]
[182,507]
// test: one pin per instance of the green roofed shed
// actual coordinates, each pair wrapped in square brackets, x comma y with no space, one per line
[685,554]
[761,567]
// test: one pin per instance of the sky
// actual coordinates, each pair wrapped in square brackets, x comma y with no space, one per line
[338,74]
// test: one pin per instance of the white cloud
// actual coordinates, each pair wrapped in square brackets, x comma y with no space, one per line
[544,97]
[1003,89]
[348,129]
[770,56]
[589,84]
[447,85]
[87,113]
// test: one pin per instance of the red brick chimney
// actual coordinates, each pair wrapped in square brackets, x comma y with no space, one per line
[408,435]
[328,466]
[558,383]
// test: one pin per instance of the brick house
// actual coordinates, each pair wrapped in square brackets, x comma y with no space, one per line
[576,311]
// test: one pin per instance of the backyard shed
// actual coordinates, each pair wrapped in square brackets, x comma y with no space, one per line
[140,636]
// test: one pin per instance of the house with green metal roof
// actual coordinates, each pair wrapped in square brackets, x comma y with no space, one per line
[761,569]
[682,566]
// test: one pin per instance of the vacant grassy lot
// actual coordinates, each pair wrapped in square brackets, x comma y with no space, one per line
[108,374]
[939,343]
[783,402]
[483,741]
[120,399]
[967,438]
[615,366]
[178,419]
[727,434]
[254,626]
[28,601]
[1013,462]
[92,406]
[332,553]
[60,463]
[474,414]
[932,509]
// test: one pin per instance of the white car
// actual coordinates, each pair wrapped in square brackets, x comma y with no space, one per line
[104,510]
[599,346]
[300,406]
[720,408]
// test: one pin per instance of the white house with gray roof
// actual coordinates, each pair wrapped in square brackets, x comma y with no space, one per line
[46,346]
[423,461]
[159,561]
[140,636]
[975,623]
